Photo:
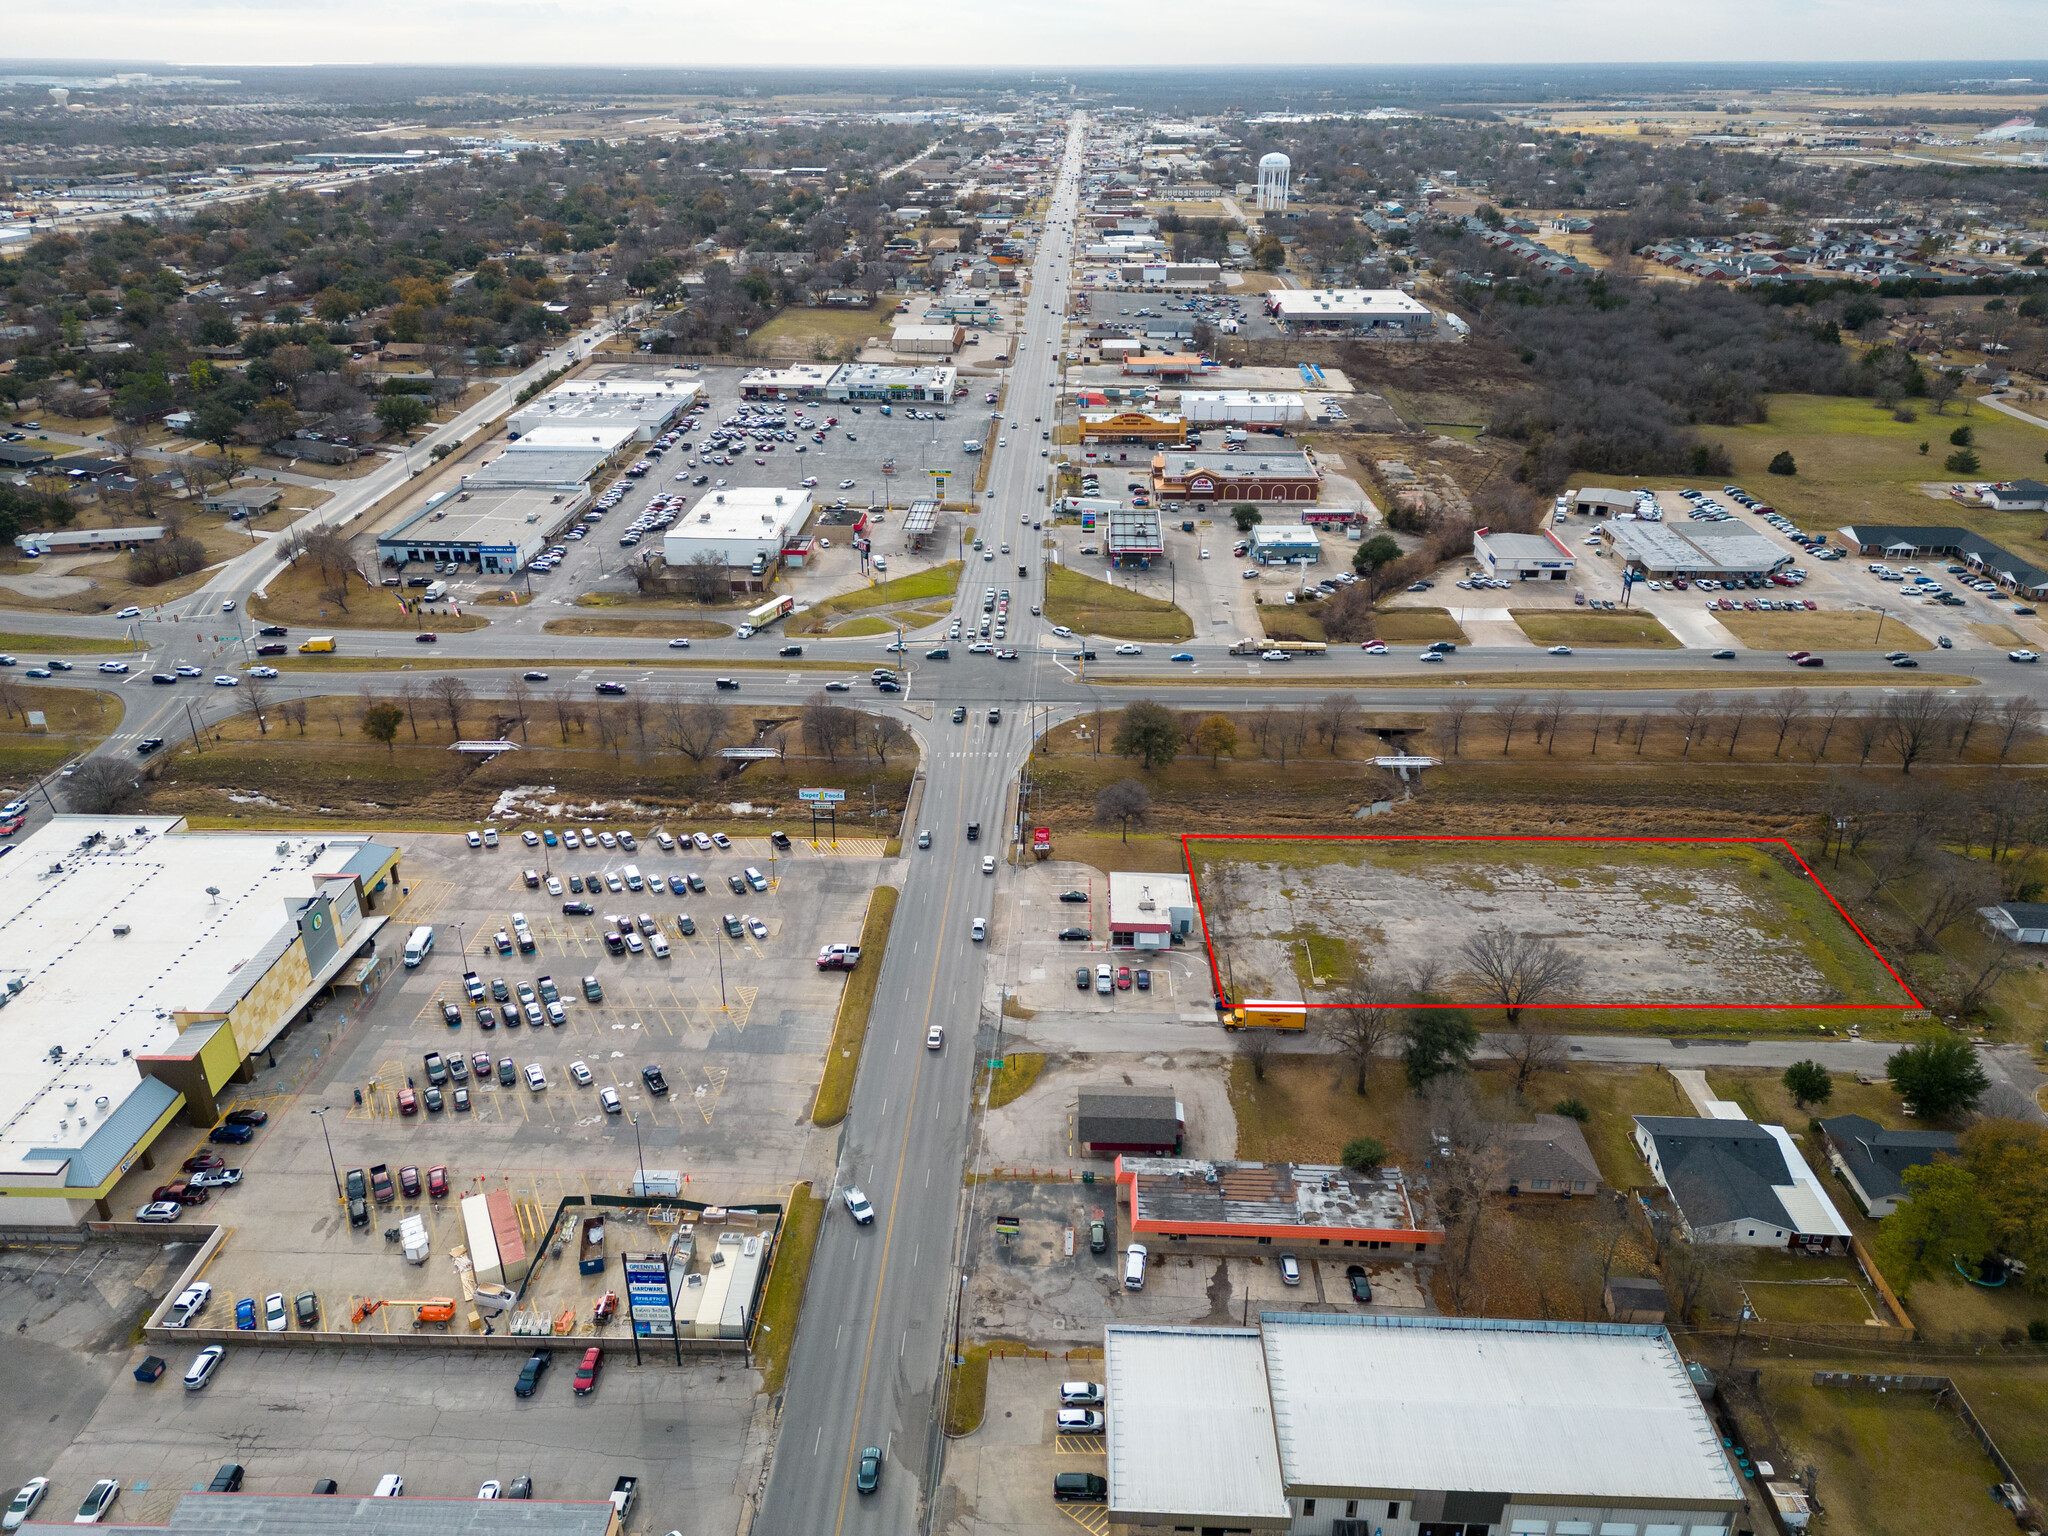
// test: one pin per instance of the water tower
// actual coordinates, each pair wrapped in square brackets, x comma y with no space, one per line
[1273,171]
[60,95]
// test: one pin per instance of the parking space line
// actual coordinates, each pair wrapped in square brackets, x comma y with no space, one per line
[1077,1445]
[1092,1518]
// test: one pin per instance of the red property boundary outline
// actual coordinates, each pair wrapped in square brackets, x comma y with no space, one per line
[1188,839]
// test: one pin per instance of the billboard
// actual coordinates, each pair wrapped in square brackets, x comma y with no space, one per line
[822,796]
[647,1297]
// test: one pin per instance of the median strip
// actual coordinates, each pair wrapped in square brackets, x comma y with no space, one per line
[835,1089]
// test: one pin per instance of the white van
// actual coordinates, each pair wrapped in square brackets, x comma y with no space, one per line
[390,1486]
[633,880]
[1134,1267]
[418,945]
[659,945]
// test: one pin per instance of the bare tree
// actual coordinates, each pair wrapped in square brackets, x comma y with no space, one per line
[408,691]
[1260,724]
[827,727]
[1509,714]
[294,712]
[1866,730]
[1335,715]
[1784,709]
[451,693]
[1693,1272]
[1968,715]
[1461,1180]
[2019,720]
[1256,1047]
[1827,715]
[1514,970]
[879,734]
[700,727]
[1550,718]
[1535,1045]
[1639,727]
[1693,710]
[611,729]
[100,786]
[255,699]
[1451,717]
[1121,804]
[1735,714]
[1966,989]
[1296,725]
[1913,722]
[566,711]
[1357,1031]
[1599,724]
[1959,888]
[2006,819]
[519,699]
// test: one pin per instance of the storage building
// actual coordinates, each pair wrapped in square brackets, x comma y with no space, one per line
[1281,543]
[1352,312]
[496,528]
[646,408]
[1193,1206]
[926,340]
[1522,556]
[1147,1121]
[743,527]
[1149,911]
[1211,407]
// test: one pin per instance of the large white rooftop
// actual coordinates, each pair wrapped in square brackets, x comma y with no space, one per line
[204,914]
[1190,1430]
[1341,303]
[1593,1412]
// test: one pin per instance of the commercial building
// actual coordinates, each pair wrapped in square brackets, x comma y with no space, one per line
[540,466]
[1597,501]
[1149,911]
[1892,541]
[265,1514]
[1337,1424]
[1352,312]
[2017,496]
[926,340]
[647,407]
[1133,427]
[743,528]
[498,529]
[142,965]
[1148,1121]
[1288,475]
[1734,1181]
[1241,406]
[74,541]
[1182,1205]
[1169,365]
[872,381]
[1134,534]
[1873,1160]
[794,381]
[1701,549]
[1280,543]
[1522,556]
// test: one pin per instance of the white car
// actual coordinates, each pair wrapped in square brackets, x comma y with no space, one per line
[554,885]
[186,669]
[635,944]
[224,681]
[191,1302]
[608,1100]
[113,666]
[228,606]
[701,840]
[755,926]
[536,1079]
[980,929]
[857,1204]
[530,838]
[476,839]
[1432,656]
[260,671]
[1560,650]
[274,1318]
[25,1503]
[204,1364]
[988,864]
[1272,655]
[935,1037]
[2022,655]
[130,612]
[579,1074]
[1130,650]
[491,1489]
[679,644]
[97,1502]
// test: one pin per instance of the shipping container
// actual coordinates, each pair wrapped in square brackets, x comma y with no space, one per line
[512,1260]
[482,1240]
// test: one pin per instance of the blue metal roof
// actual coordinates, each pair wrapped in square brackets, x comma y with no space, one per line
[116,1138]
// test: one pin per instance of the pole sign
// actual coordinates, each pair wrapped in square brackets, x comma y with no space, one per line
[1007,1226]
[822,796]
[647,1296]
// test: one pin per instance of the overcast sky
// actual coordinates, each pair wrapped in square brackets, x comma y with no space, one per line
[1018,33]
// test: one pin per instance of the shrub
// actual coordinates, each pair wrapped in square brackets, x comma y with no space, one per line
[1783,464]
[1963,436]
[1963,461]
[1364,1152]
[1572,1109]
[2037,1330]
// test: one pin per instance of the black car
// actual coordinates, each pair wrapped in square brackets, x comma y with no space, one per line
[739,886]
[959,713]
[147,745]
[164,678]
[1073,895]
[725,685]
[535,677]
[326,1485]
[1071,1487]
[1081,982]
[520,1487]
[780,840]
[791,650]
[427,637]
[656,1083]
[273,631]
[530,1374]
[611,687]
[578,908]
[839,687]
[230,1134]
[1361,1287]
[272,649]
[614,943]
[1075,935]
[246,1117]
[887,685]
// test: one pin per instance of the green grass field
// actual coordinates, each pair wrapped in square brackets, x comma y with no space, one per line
[1092,607]
[1418,625]
[1821,632]
[842,1062]
[940,581]
[59,645]
[1572,626]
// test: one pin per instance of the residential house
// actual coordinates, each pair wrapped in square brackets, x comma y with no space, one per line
[2018,496]
[1549,1156]
[2023,922]
[1734,1181]
[1873,1161]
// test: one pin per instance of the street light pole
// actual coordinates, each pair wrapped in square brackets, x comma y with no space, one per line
[332,1165]
[640,1159]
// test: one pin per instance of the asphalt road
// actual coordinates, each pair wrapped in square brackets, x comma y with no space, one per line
[879,1307]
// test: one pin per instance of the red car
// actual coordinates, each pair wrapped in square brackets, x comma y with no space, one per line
[408,1102]
[1123,978]
[1797,655]
[437,1181]
[203,1162]
[586,1373]
[409,1181]
[181,1192]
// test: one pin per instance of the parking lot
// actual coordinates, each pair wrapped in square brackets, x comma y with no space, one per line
[1040,967]
[736,1027]
[999,1479]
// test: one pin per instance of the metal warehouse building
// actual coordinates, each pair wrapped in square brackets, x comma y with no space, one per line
[1524,556]
[646,407]
[1352,311]
[1336,1424]
[1702,549]
[496,528]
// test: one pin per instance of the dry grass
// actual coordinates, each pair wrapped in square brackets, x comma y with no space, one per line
[1822,631]
[1092,607]
[296,594]
[1418,625]
[1013,1079]
[783,1304]
[849,1030]
[689,629]
[940,581]
[1572,626]
[815,335]
[60,645]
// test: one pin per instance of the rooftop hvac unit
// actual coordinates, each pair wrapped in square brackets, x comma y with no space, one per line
[120,930]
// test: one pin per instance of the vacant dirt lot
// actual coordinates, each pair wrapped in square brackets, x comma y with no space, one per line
[1649,923]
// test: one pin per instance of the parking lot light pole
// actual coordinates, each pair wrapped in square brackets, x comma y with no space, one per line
[639,1158]
[333,1166]
[461,946]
